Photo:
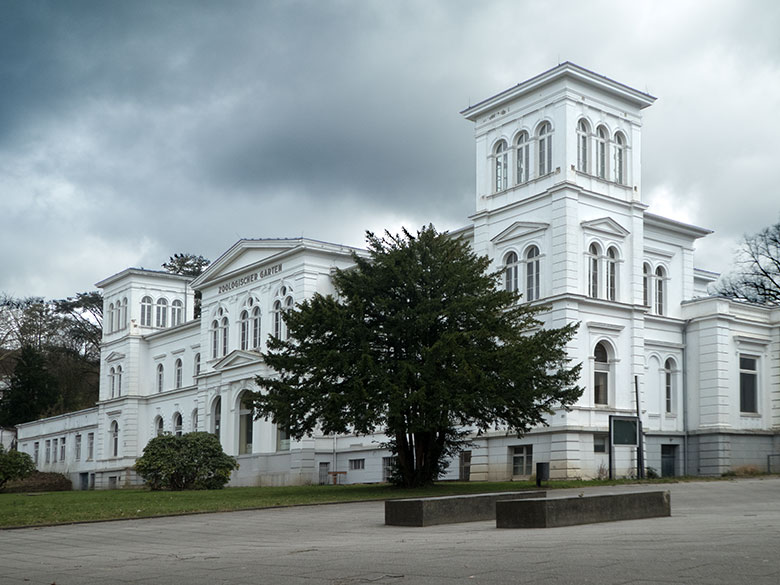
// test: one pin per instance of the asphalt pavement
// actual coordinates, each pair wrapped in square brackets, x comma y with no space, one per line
[722,532]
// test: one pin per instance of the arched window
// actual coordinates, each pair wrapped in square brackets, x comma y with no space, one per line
[647,278]
[160,377]
[602,143]
[620,158]
[177,424]
[214,339]
[500,154]
[289,305]
[216,416]
[197,364]
[669,386]
[111,317]
[178,373]
[177,313]
[113,438]
[522,152]
[112,381]
[544,135]
[118,316]
[583,137]
[278,319]
[194,418]
[594,253]
[510,272]
[224,336]
[256,322]
[119,381]
[159,429]
[601,373]
[123,313]
[612,267]
[146,311]
[243,322]
[660,290]
[245,422]
[532,274]
[162,313]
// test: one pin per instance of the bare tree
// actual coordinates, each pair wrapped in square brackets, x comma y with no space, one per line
[757,276]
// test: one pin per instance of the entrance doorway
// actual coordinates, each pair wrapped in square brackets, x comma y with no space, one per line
[668,460]
[324,469]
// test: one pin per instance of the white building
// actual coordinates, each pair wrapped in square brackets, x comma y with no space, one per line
[558,204]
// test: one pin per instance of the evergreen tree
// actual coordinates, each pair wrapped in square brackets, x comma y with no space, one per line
[32,390]
[419,343]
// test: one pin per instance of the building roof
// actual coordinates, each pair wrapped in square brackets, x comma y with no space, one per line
[565,69]
[140,272]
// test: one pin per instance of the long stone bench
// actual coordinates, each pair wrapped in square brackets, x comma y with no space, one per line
[547,513]
[449,509]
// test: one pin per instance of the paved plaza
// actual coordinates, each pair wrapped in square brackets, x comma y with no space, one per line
[725,532]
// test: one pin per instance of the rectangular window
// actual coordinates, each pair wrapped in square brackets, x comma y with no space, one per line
[357,464]
[112,482]
[522,460]
[47,451]
[36,449]
[62,449]
[600,443]
[748,384]
[464,471]
[282,440]
[54,451]
[600,390]
[90,446]
[387,468]
[78,448]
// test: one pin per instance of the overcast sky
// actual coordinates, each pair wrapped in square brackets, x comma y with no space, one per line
[133,130]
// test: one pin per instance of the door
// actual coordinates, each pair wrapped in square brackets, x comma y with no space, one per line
[324,469]
[668,460]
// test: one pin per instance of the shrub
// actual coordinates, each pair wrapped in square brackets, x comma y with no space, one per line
[186,462]
[39,481]
[14,465]
[651,473]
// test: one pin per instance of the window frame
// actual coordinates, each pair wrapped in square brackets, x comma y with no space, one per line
[161,313]
[583,139]
[602,374]
[146,311]
[544,134]
[522,459]
[511,272]
[522,158]
[500,166]
[532,261]
[748,396]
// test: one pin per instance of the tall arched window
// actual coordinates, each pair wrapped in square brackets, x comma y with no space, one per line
[178,373]
[289,305]
[112,381]
[620,158]
[146,311]
[500,153]
[669,386]
[216,416]
[523,157]
[162,313]
[197,364]
[194,417]
[113,438]
[532,274]
[177,313]
[123,313]
[243,321]
[256,322]
[214,339]
[225,327]
[177,424]
[594,253]
[160,377]
[159,427]
[660,290]
[111,317]
[544,135]
[119,381]
[583,137]
[510,272]
[601,375]
[612,267]
[647,278]
[245,422]
[278,319]
[602,143]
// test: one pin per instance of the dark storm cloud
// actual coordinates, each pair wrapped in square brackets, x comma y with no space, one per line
[133,130]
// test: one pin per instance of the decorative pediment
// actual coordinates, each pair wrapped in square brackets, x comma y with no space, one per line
[114,356]
[237,358]
[519,229]
[605,225]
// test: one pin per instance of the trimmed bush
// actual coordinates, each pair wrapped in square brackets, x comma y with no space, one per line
[193,461]
[39,481]
[14,465]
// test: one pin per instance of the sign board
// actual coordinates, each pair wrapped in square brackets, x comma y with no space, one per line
[624,430]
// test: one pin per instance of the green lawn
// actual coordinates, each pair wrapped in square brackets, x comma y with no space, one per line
[67,507]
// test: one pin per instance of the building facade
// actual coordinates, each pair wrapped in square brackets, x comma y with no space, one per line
[559,208]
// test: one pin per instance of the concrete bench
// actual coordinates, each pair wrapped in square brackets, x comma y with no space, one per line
[547,513]
[449,509]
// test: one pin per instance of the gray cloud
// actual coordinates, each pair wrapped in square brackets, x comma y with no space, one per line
[130,131]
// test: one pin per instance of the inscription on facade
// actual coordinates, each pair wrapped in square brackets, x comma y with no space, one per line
[250,278]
